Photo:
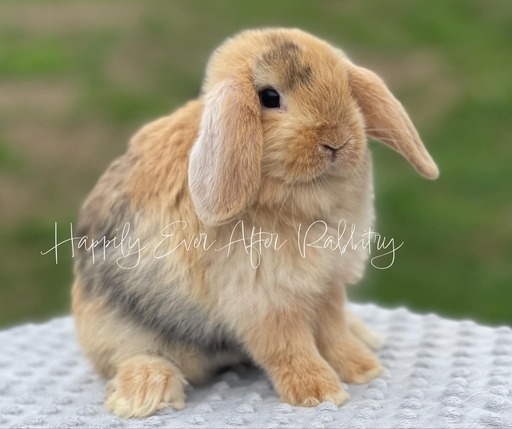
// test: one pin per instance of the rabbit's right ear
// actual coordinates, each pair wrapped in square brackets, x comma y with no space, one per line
[224,165]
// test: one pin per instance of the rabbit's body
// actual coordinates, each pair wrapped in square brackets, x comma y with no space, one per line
[193,292]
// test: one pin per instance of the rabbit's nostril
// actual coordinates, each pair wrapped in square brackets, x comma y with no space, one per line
[329,149]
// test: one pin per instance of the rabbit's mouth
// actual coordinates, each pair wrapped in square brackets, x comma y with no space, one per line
[308,157]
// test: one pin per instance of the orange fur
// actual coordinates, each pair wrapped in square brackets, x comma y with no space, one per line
[144,384]
[283,344]
[387,120]
[347,354]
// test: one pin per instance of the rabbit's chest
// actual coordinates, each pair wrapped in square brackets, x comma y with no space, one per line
[303,258]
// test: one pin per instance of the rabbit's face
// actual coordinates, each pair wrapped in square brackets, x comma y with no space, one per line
[282,105]
[311,124]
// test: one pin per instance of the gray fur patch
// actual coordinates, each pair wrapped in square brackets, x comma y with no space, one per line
[139,294]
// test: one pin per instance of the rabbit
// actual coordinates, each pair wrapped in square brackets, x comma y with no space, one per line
[188,259]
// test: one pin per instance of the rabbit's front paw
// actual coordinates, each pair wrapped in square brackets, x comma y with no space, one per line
[143,385]
[309,386]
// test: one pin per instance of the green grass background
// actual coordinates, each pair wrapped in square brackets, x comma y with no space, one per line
[77,78]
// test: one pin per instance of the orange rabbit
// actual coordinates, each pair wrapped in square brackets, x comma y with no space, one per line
[277,139]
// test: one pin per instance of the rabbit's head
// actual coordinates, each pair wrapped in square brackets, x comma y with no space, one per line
[284,106]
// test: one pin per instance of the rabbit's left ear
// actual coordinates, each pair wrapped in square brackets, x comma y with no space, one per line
[387,121]
[224,165]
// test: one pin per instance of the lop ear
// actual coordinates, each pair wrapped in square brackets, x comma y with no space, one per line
[387,121]
[224,165]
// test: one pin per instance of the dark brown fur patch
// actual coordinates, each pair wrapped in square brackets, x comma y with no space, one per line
[285,55]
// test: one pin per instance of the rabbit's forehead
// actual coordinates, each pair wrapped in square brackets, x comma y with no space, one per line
[290,64]
[286,63]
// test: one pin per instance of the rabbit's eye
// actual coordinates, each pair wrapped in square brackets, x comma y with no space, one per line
[269,97]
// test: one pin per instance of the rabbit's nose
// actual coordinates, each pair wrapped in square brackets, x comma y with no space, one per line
[330,149]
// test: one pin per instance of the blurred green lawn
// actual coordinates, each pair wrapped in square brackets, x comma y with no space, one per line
[77,78]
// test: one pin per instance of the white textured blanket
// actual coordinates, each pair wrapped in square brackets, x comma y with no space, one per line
[440,373]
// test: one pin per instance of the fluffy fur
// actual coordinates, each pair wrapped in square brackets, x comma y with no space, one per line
[153,317]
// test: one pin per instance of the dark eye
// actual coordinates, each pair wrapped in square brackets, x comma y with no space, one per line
[269,97]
